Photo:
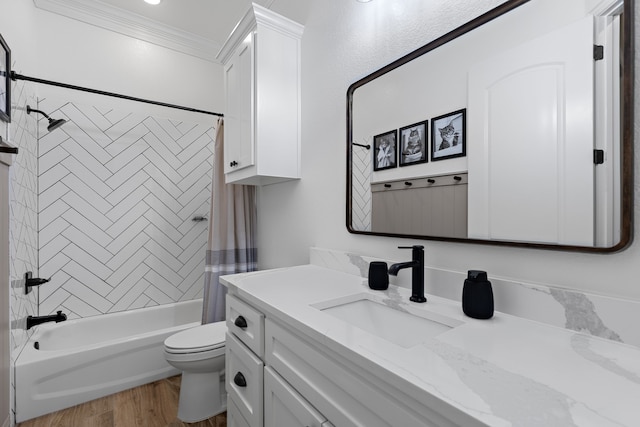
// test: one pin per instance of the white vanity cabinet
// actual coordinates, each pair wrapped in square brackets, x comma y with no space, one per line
[261,61]
[257,395]
[293,380]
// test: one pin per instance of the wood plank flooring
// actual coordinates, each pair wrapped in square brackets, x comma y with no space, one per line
[150,405]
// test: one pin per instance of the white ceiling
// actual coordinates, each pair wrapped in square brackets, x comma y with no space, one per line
[211,19]
[194,27]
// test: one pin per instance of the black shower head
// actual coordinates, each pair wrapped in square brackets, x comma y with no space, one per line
[53,123]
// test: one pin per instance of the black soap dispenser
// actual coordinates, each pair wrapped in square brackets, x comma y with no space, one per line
[378,275]
[477,295]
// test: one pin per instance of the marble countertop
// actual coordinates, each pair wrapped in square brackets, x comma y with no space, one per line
[505,371]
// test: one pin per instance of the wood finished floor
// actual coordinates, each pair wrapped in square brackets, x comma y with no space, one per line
[150,405]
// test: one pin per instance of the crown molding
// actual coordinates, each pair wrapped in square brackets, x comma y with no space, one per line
[133,25]
[257,15]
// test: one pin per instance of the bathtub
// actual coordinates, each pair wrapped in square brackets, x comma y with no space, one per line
[84,359]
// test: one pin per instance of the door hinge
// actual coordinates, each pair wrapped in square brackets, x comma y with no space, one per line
[598,52]
[598,157]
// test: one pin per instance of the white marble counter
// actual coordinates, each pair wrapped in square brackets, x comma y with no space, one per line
[504,371]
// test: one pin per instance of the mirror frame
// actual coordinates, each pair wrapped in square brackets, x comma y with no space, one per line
[627,125]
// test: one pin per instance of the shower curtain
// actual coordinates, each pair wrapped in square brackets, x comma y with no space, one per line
[232,229]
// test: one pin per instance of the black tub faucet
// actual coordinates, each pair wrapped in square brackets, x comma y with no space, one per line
[30,281]
[417,271]
[37,320]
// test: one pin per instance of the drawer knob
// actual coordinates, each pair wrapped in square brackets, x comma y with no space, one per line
[431,181]
[240,322]
[239,380]
[457,178]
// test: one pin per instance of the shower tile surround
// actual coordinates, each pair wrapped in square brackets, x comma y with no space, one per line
[601,316]
[117,192]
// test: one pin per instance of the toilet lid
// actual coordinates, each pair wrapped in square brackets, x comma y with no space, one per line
[197,339]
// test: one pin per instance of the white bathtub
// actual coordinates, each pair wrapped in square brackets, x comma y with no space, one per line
[84,359]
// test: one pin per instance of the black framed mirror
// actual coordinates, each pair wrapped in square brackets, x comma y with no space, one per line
[514,129]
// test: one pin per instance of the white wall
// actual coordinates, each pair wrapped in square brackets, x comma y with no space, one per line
[345,40]
[77,53]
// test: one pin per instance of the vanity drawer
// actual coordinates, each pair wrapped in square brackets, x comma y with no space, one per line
[245,381]
[246,323]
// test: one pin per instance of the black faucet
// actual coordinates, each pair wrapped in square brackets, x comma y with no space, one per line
[37,320]
[417,271]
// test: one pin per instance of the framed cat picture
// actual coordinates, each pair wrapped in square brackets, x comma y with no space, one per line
[448,135]
[413,144]
[385,147]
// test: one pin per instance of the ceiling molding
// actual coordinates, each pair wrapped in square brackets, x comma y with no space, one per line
[133,25]
[257,16]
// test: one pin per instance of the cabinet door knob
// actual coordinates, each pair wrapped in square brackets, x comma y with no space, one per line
[457,178]
[408,183]
[233,163]
[239,380]
[240,322]
[431,181]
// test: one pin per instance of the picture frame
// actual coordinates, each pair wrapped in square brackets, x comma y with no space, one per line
[413,144]
[448,135]
[5,81]
[385,147]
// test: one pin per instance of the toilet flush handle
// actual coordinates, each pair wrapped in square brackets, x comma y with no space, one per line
[240,322]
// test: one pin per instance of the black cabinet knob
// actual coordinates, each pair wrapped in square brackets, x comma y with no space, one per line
[431,181]
[239,380]
[408,183]
[240,322]
[233,163]
[457,178]
[387,186]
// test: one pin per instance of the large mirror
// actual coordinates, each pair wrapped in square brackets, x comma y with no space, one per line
[515,128]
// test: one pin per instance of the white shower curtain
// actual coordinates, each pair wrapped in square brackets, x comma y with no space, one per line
[232,229]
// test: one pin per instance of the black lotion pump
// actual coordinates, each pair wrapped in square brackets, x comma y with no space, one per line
[477,295]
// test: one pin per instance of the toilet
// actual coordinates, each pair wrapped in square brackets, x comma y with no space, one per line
[199,353]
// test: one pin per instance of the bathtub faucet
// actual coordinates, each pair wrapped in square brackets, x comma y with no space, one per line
[36,320]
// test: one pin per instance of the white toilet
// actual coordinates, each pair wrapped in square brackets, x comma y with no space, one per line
[199,353]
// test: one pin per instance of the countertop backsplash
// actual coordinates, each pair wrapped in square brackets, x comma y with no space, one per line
[596,315]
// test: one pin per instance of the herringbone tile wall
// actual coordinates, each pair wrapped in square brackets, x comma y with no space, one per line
[117,194]
[361,185]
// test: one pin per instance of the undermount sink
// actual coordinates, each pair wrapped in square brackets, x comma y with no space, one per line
[397,323]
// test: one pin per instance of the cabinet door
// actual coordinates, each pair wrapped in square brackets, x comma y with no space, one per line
[284,407]
[234,417]
[239,89]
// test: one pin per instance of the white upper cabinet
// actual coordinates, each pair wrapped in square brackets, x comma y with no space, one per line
[261,60]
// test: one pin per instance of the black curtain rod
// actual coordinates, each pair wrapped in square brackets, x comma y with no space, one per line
[16,76]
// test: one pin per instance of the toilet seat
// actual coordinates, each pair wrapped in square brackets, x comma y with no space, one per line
[197,339]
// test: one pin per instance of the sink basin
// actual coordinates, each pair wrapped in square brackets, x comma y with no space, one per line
[397,323]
